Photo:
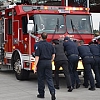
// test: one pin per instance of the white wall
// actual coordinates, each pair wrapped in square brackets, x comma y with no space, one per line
[96,20]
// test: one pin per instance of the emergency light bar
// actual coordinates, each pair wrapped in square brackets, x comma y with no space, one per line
[57,8]
[30,8]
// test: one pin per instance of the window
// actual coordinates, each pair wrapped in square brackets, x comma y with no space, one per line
[77,3]
[24,24]
[79,24]
[95,6]
[10,13]
[49,23]
[9,26]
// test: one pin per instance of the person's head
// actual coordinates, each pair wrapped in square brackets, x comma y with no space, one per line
[98,40]
[61,38]
[55,41]
[44,36]
[91,43]
[96,34]
[95,42]
[80,43]
[66,39]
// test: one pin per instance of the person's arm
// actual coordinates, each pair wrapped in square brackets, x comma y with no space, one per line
[53,57]
[53,53]
[37,54]
[36,62]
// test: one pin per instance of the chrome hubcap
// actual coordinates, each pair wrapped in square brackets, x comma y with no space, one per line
[17,66]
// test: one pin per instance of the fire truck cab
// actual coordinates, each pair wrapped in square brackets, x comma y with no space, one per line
[23,24]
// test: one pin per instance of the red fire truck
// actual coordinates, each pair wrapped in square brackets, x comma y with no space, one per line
[23,24]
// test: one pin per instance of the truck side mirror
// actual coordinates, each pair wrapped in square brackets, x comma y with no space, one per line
[30,26]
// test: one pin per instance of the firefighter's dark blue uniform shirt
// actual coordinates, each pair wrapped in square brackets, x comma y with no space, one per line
[94,49]
[35,45]
[84,50]
[99,46]
[70,47]
[44,50]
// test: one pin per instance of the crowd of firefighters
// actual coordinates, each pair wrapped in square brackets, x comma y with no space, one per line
[90,55]
[66,54]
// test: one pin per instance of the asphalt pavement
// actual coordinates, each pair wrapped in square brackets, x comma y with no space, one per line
[13,89]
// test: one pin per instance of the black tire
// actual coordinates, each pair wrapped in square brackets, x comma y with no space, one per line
[21,74]
[24,75]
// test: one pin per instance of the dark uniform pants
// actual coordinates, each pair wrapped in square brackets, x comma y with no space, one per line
[64,65]
[44,71]
[88,63]
[73,63]
[96,70]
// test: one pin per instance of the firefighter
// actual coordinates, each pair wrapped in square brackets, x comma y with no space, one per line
[61,61]
[98,40]
[96,54]
[73,58]
[44,54]
[88,62]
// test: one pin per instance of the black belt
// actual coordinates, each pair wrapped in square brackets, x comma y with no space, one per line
[96,56]
[45,59]
[88,57]
[73,55]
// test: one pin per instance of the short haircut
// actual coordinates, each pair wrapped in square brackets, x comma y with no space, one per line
[81,42]
[44,35]
[55,41]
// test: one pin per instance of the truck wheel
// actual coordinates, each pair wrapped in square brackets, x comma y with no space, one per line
[20,73]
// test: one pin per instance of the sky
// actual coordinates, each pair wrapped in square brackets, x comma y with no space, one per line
[96,20]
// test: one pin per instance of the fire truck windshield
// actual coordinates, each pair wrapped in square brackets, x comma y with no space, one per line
[49,23]
[79,24]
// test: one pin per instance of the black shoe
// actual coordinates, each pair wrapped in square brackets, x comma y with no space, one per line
[73,87]
[53,97]
[40,96]
[86,86]
[56,87]
[91,88]
[70,89]
[77,86]
[97,85]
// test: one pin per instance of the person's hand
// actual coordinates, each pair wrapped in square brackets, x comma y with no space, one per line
[35,70]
